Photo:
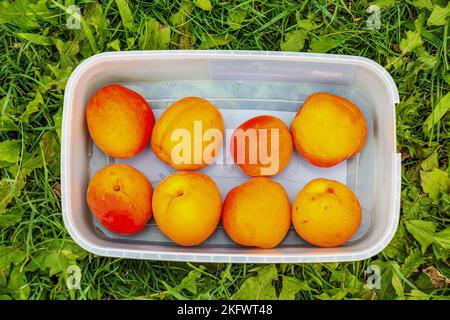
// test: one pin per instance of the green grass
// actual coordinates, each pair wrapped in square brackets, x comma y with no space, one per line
[38,53]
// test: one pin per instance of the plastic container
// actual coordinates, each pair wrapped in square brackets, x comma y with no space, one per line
[241,84]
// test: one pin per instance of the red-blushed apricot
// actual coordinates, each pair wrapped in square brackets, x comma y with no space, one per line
[262,146]
[257,213]
[326,213]
[328,129]
[188,134]
[120,121]
[186,207]
[120,198]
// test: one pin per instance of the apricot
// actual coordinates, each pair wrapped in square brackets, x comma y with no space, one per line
[188,134]
[326,213]
[328,129]
[187,207]
[257,213]
[120,198]
[120,121]
[262,146]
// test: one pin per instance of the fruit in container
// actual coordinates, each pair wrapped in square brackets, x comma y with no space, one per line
[186,207]
[189,134]
[257,213]
[120,121]
[326,213]
[262,146]
[328,129]
[120,198]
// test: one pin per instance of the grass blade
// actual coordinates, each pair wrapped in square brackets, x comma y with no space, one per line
[126,15]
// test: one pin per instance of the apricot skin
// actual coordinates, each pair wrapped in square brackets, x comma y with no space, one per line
[120,198]
[328,129]
[284,150]
[181,115]
[326,213]
[187,207]
[257,213]
[120,121]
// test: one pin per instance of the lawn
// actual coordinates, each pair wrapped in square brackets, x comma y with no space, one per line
[38,52]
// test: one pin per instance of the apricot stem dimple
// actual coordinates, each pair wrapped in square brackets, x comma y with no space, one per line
[116,188]
[177,194]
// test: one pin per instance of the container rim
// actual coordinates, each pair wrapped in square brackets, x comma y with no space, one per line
[251,54]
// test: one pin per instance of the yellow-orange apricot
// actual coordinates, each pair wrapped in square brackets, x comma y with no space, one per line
[119,120]
[186,207]
[180,137]
[262,146]
[328,129]
[326,213]
[257,213]
[120,198]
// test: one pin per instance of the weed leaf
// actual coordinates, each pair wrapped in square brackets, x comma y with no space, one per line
[439,15]
[413,262]
[36,38]
[436,115]
[126,15]
[258,287]
[412,41]
[294,41]
[215,40]
[323,44]
[422,231]
[10,151]
[203,4]
[427,4]
[291,286]
[155,37]
[11,217]
[434,183]
[235,19]
[430,163]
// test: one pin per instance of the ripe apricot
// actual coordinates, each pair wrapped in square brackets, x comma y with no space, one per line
[257,213]
[120,198]
[328,129]
[119,120]
[262,146]
[188,134]
[326,213]
[187,207]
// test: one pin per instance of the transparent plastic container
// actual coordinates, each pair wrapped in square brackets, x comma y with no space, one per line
[242,84]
